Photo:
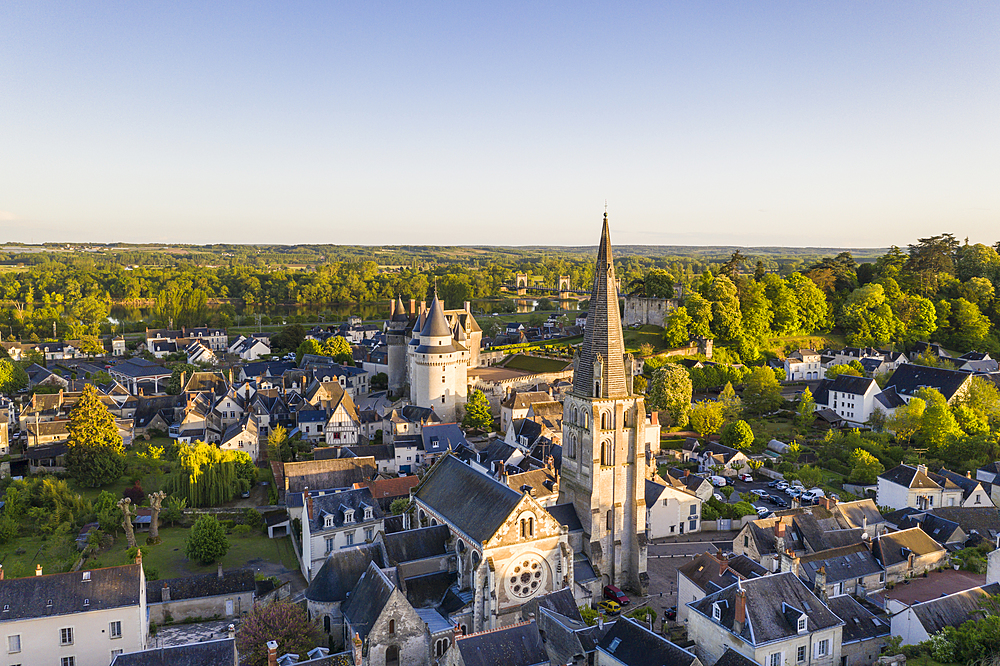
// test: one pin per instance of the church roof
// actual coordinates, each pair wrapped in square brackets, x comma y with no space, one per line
[469,500]
[400,314]
[603,335]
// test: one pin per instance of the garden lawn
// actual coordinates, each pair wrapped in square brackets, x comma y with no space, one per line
[648,333]
[55,554]
[535,364]
[167,559]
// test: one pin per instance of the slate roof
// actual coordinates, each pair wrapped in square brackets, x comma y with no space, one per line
[435,325]
[202,585]
[566,515]
[376,451]
[908,477]
[367,599]
[473,502]
[892,548]
[841,564]
[854,513]
[410,545]
[982,520]
[733,658]
[333,505]
[691,481]
[967,485]
[338,473]
[341,571]
[767,598]
[822,393]
[560,601]
[541,482]
[889,399]
[209,653]
[941,530]
[524,399]
[909,378]
[859,623]
[439,438]
[517,645]
[632,644]
[954,609]
[64,593]
[708,574]
[852,385]
[133,368]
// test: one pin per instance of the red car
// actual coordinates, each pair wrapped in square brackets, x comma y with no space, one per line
[613,593]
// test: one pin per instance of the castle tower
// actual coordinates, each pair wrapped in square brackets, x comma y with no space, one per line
[604,462]
[396,339]
[439,366]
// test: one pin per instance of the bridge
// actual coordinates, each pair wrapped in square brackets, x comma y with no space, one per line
[522,285]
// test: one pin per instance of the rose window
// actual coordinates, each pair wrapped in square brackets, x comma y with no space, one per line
[525,577]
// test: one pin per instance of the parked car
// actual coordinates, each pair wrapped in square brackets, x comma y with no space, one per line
[610,607]
[763,512]
[746,478]
[718,481]
[782,484]
[720,497]
[759,493]
[616,595]
[794,492]
[671,613]
[774,484]
[777,501]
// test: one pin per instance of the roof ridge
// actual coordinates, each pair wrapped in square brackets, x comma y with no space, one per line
[493,631]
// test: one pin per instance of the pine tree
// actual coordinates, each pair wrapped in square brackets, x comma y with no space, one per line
[477,412]
[96,454]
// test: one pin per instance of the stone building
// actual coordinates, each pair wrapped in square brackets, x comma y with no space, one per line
[439,364]
[224,594]
[640,311]
[604,440]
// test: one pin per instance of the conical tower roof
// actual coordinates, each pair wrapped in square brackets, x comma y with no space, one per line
[400,314]
[603,334]
[435,325]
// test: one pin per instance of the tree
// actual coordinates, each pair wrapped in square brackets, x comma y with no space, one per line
[477,412]
[969,325]
[807,405]
[731,403]
[906,421]
[134,493]
[700,312]
[754,464]
[96,453]
[207,475]
[398,506]
[125,505]
[938,425]
[175,509]
[762,393]
[339,349]
[707,417]
[308,346]
[878,420]
[792,453]
[727,321]
[181,374]
[670,392]
[280,621]
[156,503]
[865,467]
[207,541]
[983,398]
[677,331]
[13,378]
[835,371]
[810,476]
[289,339]
[868,317]
[639,384]
[737,435]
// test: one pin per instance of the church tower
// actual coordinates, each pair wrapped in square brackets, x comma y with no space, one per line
[604,461]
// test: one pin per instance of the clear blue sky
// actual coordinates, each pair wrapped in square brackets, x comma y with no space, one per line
[756,123]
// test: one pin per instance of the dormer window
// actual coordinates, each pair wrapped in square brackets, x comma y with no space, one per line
[368,513]
[327,520]
[349,515]
[801,628]
[717,612]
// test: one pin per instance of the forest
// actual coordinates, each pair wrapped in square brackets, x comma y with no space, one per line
[937,288]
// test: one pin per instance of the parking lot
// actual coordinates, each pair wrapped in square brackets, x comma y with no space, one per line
[760,485]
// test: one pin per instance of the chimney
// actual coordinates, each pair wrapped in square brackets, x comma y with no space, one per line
[423,307]
[687,473]
[654,418]
[820,586]
[309,502]
[413,306]
[138,556]
[392,308]
[739,621]
[165,592]
[357,649]
[456,633]
[922,468]
[600,620]
[272,653]
[231,631]
[468,307]
[723,562]
[968,475]
[1,572]
[38,569]
[219,574]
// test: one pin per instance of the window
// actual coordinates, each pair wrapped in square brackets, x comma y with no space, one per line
[746,541]
[823,647]
[329,545]
[800,655]
[716,612]
[350,538]
[611,519]
[694,510]
[369,534]
[775,659]
[116,629]
[115,653]
[66,636]
[14,643]
[977,499]
[67,661]
[392,626]
[802,624]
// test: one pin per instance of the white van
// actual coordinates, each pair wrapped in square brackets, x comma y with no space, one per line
[718,481]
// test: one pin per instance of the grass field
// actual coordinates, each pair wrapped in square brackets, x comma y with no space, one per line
[535,364]
[167,559]
[648,334]
[55,553]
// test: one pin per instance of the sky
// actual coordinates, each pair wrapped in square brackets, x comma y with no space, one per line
[847,124]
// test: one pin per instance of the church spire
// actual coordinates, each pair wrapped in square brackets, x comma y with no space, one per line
[600,370]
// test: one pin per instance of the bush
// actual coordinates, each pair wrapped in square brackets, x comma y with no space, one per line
[253,518]
[643,614]
[242,530]
[589,615]
[208,541]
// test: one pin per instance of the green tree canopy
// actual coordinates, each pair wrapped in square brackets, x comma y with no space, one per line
[737,435]
[207,541]
[670,392]
[477,412]
[807,405]
[13,378]
[96,453]
[865,467]
[678,329]
[707,416]
[762,392]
